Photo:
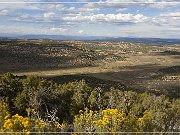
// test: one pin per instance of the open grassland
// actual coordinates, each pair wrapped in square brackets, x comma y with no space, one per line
[136,66]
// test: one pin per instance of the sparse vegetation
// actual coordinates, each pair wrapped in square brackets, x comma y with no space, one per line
[88,87]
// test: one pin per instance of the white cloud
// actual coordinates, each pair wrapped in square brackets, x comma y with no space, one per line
[49,15]
[31,18]
[4,12]
[50,7]
[81,31]
[147,30]
[34,29]
[124,4]
[106,5]
[164,4]
[174,15]
[111,18]
[58,29]
[168,19]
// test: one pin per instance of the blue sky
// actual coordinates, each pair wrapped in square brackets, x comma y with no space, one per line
[114,18]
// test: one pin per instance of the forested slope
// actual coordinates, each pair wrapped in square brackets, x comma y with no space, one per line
[33,104]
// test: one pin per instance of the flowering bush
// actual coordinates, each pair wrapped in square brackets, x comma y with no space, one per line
[3,113]
[17,123]
[108,120]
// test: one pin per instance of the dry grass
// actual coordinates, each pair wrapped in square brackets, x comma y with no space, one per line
[140,68]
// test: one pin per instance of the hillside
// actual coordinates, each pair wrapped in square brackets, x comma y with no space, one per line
[132,65]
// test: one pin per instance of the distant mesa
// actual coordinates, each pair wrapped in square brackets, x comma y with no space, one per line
[159,41]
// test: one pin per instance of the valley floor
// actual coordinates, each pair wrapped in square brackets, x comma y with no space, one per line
[149,68]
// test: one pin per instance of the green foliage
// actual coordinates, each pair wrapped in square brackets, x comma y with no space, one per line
[10,85]
[40,99]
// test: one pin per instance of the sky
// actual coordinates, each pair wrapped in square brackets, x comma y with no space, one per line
[111,18]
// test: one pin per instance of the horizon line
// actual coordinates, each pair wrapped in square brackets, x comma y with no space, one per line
[21,36]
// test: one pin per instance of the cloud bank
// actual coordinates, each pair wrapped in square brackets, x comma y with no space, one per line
[140,18]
